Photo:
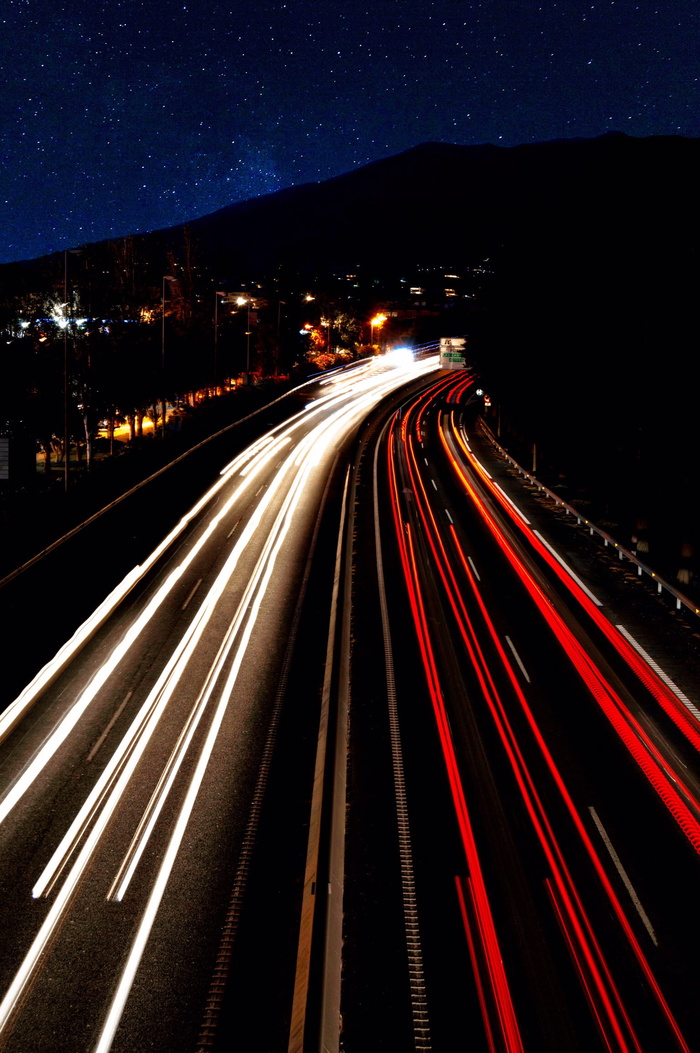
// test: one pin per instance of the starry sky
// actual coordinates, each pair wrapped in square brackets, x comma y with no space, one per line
[120,116]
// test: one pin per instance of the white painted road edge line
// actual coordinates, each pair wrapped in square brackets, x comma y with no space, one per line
[568,569]
[511,502]
[659,671]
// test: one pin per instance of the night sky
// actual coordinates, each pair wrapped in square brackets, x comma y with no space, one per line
[119,116]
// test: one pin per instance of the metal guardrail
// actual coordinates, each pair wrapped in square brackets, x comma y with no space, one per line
[593,530]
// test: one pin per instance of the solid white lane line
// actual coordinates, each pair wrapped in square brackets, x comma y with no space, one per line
[510,501]
[623,874]
[568,569]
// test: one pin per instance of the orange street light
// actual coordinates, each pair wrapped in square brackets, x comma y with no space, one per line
[375,323]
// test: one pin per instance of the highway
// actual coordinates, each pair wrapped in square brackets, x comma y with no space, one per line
[354,758]
[128,764]
[569,763]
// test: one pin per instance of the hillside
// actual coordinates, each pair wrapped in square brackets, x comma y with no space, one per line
[587,332]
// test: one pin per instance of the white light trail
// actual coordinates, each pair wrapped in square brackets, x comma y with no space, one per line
[328,431]
[83,837]
[134,742]
[59,735]
[16,710]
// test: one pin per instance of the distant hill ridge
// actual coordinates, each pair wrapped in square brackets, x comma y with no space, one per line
[439,201]
[585,330]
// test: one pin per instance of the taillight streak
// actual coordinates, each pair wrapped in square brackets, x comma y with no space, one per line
[629,730]
[606,1001]
[652,682]
[497,980]
[566,797]
[595,682]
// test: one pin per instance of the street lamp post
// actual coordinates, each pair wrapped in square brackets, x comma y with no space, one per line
[166,278]
[375,323]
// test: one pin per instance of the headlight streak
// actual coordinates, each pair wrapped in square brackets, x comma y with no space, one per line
[331,427]
[672,705]
[250,602]
[310,448]
[309,458]
[257,454]
[89,825]
[597,979]
[16,710]
[545,606]
[61,732]
[123,761]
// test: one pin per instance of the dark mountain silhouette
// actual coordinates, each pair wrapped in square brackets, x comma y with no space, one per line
[586,332]
[439,202]
[593,208]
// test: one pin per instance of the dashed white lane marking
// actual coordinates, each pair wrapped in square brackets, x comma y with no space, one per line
[518,659]
[623,874]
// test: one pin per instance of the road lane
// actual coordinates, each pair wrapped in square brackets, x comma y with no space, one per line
[440,560]
[158,715]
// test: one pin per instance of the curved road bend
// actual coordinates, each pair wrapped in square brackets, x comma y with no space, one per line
[569,864]
[127,770]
